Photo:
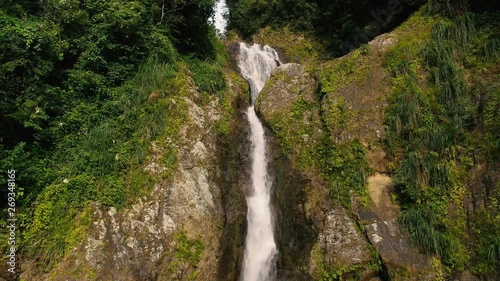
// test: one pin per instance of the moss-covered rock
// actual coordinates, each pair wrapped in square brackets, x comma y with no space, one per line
[287,84]
[177,229]
[329,122]
[340,246]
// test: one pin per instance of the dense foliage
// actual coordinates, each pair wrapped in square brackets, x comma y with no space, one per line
[440,131]
[441,127]
[341,25]
[86,86]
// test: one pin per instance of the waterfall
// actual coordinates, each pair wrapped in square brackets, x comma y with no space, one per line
[219,19]
[256,64]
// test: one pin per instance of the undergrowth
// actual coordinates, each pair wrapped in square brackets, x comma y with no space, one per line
[187,251]
[431,120]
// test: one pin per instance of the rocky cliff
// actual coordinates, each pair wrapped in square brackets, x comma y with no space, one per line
[191,225]
[359,184]
[325,239]
[334,197]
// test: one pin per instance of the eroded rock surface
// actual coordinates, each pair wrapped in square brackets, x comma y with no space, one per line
[337,243]
[340,243]
[288,82]
[146,240]
[312,235]
[380,219]
[382,42]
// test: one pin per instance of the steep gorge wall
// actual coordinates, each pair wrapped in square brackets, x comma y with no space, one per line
[192,224]
[233,155]
[320,238]
[367,126]
[202,207]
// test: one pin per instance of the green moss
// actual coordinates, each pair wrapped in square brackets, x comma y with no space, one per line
[399,273]
[295,131]
[339,273]
[430,122]
[337,74]
[346,169]
[436,265]
[92,275]
[239,81]
[187,251]
[180,83]
[335,116]
[225,103]
[138,182]
[416,28]
[80,226]
[297,47]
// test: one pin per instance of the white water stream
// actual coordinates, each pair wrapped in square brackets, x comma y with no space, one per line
[219,19]
[256,64]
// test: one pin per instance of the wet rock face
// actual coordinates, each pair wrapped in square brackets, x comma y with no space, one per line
[199,199]
[340,243]
[311,234]
[382,42]
[334,240]
[380,220]
[295,216]
[380,232]
[288,82]
[294,225]
[234,162]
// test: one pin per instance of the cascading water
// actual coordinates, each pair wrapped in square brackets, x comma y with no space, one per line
[256,64]
[219,20]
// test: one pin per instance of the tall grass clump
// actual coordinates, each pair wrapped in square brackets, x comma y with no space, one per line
[105,163]
[429,122]
[152,80]
[207,72]
[420,223]
[447,8]
[207,76]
